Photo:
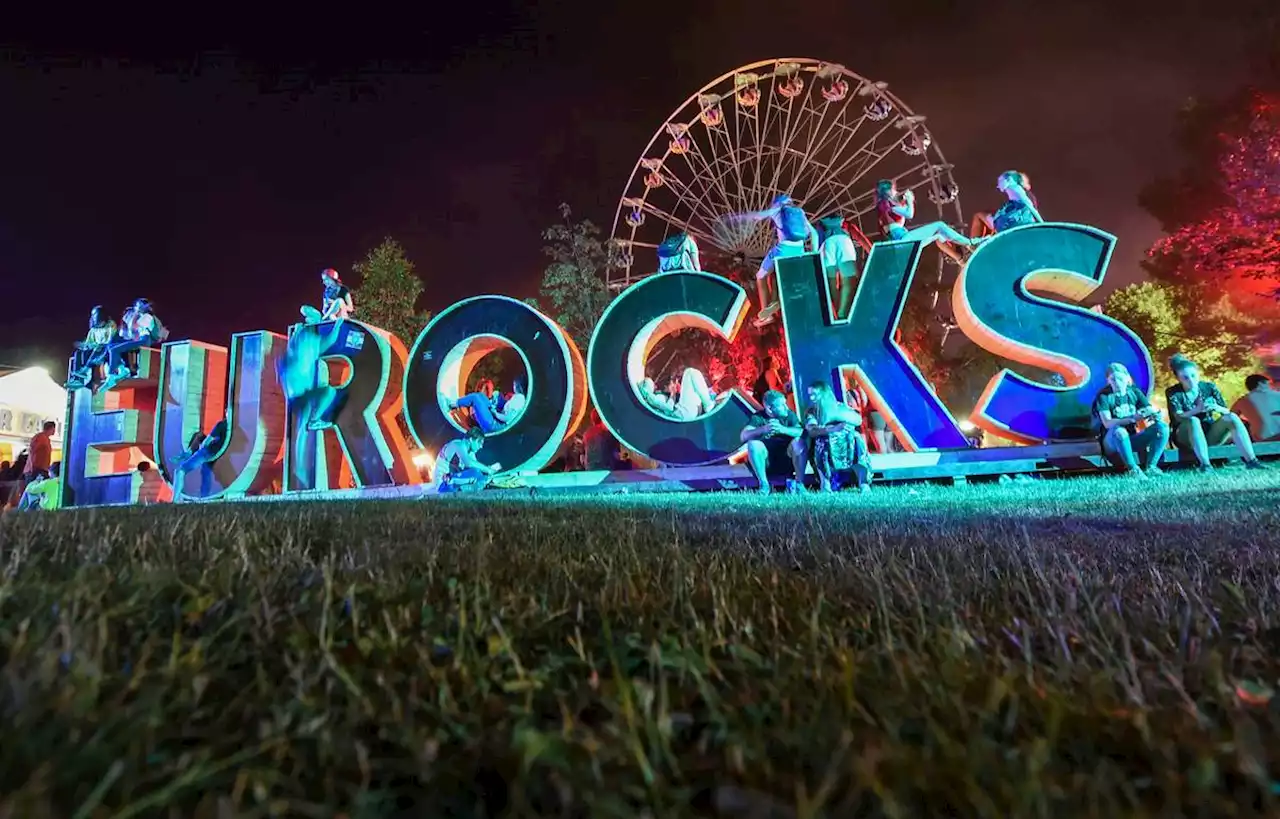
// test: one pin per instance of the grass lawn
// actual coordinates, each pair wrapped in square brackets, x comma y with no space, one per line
[1090,647]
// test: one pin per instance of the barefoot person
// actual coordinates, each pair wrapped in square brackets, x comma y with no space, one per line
[894,210]
[458,469]
[335,304]
[1201,418]
[839,261]
[310,398]
[1020,207]
[1132,433]
[795,237]
[773,441]
[833,439]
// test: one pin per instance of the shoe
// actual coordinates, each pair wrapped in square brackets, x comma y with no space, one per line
[767,315]
[1255,464]
[1155,471]
[1135,472]
[1204,469]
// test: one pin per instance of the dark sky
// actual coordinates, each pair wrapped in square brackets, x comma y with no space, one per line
[217,172]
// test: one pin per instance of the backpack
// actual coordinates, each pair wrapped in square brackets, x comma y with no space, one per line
[793,224]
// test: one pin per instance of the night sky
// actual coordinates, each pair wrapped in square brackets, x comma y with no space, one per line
[217,173]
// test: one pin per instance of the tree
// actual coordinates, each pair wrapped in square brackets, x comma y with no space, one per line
[387,295]
[1170,319]
[574,282]
[1223,210]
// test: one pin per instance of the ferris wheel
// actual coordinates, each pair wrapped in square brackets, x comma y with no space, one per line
[804,127]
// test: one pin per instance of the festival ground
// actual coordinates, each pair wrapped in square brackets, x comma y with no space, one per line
[1050,648]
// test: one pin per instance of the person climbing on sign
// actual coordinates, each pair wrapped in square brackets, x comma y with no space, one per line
[795,237]
[309,396]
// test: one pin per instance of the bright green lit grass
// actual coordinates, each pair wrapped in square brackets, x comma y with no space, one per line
[1058,648]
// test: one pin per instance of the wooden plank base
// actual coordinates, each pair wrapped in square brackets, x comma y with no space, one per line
[954,466]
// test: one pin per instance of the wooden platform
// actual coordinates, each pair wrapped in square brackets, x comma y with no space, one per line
[956,466]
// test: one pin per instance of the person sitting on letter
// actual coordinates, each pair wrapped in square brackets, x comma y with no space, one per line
[833,439]
[1131,431]
[678,252]
[772,438]
[683,401]
[336,303]
[1201,418]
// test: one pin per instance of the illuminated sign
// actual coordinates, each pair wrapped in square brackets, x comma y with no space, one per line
[1017,297]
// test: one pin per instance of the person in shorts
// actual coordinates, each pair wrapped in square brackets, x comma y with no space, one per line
[773,442]
[1201,418]
[1131,431]
[839,262]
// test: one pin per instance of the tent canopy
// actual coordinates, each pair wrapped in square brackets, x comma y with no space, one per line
[32,390]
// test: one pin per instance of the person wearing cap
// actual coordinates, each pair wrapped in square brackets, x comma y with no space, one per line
[839,260]
[336,303]
[795,237]
[678,252]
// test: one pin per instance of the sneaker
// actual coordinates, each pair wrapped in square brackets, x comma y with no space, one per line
[1155,471]
[1204,469]
[1255,464]
[1135,472]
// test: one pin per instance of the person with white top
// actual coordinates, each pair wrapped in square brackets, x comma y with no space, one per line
[684,400]
[140,329]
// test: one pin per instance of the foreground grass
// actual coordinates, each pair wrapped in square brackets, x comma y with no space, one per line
[1092,647]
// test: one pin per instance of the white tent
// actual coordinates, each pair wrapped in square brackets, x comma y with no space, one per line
[28,398]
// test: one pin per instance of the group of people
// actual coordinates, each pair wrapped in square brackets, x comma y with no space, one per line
[1134,434]
[107,355]
[32,481]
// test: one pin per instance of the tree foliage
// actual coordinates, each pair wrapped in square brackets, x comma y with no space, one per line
[387,295]
[573,287]
[1223,209]
[1170,318]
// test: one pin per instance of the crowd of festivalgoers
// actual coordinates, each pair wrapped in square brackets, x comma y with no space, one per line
[833,437]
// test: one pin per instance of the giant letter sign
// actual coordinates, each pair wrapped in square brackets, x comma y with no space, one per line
[821,346]
[994,308]
[449,348]
[107,433]
[198,389]
[640,317]
[365,444]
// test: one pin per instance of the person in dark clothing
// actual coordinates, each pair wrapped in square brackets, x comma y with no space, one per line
[1201,418]
[1131,431]
[773,442]
[202,451]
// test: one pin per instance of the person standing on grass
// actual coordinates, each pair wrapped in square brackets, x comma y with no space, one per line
[1131,431]
[39,455]
[458,469]
[1260,408]
[1201,418]
[773,442]
[833,439]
